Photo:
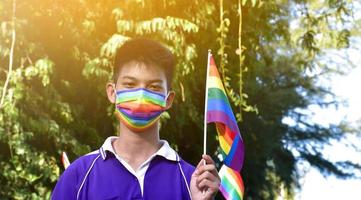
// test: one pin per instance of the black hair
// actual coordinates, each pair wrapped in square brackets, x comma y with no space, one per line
[145,51]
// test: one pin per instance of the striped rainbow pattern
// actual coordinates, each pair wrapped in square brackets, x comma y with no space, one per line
[139,108]
[231,183]
[220,112]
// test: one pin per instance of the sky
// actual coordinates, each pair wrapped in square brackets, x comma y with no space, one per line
[314,185]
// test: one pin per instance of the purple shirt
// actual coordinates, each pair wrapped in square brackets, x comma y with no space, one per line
[100,175]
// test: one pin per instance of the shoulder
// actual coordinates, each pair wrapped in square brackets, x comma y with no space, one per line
[81,165]
[187,168]
[70,179]
[187,165]
[83,162]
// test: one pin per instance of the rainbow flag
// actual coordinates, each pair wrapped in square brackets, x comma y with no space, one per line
[219,111]
[232,184]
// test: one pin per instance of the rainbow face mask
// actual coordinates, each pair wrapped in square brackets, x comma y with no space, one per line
[139,108]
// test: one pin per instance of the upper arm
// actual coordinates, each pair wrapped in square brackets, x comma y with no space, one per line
[188,170]
[66,187]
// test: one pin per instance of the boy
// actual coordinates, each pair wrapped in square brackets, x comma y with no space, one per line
[137,164]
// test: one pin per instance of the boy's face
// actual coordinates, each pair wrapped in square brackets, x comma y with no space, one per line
[139,75]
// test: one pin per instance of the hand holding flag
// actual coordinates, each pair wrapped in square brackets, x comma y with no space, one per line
[205,180]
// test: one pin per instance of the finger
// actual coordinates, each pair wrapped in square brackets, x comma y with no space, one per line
[212,190]
[208,159]
[207,184]
[210,168]
[206,175]
[209,174]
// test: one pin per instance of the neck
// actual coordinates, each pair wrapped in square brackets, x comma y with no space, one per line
[135,148]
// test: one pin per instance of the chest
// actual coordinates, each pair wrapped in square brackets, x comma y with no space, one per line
[111,180]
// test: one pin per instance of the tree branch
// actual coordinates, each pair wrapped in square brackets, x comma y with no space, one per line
[11,57]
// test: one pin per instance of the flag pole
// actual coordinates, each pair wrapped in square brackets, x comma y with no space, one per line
[205,107]
[205,114]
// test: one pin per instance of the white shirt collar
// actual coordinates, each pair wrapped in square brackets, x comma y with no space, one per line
[165,150]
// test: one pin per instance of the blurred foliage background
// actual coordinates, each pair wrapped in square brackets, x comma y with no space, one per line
[56,57]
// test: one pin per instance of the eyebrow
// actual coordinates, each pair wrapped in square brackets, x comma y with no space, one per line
[150,81]
[155,81]
[129,77]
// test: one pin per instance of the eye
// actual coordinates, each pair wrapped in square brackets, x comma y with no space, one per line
[155,88]
[128,85]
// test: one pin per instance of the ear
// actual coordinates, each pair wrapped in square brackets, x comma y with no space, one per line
[170,99]
[110,89]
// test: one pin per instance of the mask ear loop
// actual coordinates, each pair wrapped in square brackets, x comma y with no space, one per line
[166,98]
[115,95]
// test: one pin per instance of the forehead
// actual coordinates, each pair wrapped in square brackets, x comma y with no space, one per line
[141,72]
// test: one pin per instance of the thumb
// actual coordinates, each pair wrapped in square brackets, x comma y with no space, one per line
[201,163]
[195,173]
